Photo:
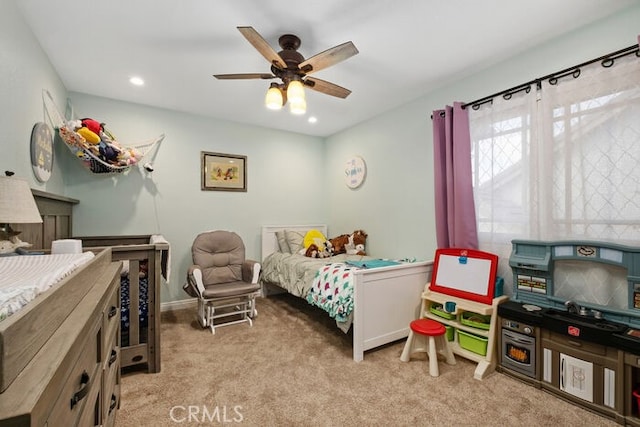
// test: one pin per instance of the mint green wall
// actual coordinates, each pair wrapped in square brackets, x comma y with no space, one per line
[281,185]
[395,204]
[292,178]
[24,72]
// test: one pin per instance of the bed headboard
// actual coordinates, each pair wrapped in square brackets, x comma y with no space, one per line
[56,212]
[270,242]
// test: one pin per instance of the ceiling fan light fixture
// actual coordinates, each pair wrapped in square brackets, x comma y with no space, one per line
[274,100]
[295,92]
[298,107]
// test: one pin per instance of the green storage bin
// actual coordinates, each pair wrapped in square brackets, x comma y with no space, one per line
[450,332]
[438,310]
[475,320]
[473,343]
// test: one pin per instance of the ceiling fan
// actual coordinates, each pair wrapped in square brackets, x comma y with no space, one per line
[293,70]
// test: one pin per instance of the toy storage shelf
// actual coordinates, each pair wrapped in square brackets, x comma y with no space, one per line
[486,363]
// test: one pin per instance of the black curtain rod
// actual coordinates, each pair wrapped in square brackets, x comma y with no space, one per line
[606,61]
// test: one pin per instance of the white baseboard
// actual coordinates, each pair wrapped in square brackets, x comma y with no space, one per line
[177,305]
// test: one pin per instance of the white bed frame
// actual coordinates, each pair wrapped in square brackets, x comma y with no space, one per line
[386,299]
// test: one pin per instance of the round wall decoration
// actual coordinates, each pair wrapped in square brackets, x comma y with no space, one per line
[355,172]
[42,151]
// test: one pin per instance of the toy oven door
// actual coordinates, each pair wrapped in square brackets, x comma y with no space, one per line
[518,353]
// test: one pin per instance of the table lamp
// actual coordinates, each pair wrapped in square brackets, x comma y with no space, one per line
[17,206]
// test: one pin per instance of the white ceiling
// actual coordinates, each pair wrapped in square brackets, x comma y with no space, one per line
[407,48]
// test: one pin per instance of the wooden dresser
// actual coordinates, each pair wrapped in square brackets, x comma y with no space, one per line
[74,379]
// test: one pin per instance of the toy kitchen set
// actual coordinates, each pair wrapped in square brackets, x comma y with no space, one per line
[573,325]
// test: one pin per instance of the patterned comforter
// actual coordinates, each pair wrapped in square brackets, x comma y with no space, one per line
[332,290]
[297,275]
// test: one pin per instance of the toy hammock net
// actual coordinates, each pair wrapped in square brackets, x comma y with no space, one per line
[104,155]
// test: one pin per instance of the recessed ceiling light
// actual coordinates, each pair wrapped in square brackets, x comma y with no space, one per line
[312,119]
[137,81]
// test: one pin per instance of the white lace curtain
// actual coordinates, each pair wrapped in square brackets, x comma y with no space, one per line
[561,161]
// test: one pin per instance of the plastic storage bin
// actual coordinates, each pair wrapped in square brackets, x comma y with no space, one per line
[475,320]
[438,310]
[450,332]
[473,342]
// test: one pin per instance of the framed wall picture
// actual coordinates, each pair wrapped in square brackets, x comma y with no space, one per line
[223,172]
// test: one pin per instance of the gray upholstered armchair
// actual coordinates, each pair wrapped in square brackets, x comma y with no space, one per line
[225,283]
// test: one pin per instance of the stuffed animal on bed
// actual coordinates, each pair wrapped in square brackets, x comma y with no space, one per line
[323,251]
[338,243]
[312,251]
[356,244]
[328,249]
[315,245]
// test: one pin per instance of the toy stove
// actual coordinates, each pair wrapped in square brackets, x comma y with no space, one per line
[519,337]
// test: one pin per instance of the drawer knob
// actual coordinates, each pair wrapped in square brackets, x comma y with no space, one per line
[113,357]
[85,381]
[114,403]
[113,311]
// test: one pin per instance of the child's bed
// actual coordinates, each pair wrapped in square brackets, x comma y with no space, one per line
[144,264]
[385,299]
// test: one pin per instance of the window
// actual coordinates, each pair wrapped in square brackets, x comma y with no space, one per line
[561,161]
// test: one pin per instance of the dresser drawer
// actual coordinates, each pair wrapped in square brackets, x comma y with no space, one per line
[111,319]
[90,415]
[111,352]
[114,402]
[84,381]
[111,380]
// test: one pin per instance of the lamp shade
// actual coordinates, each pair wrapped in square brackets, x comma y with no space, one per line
[17,204]
[273,100]
[298,107]
[295,91]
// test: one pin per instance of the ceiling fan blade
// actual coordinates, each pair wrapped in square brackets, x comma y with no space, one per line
[328,58]
[326,87]
[262,46]
[244,76]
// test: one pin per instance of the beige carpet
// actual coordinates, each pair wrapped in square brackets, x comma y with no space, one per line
[295,368]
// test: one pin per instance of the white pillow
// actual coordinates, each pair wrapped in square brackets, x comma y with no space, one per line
[282,242]
[295,240]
